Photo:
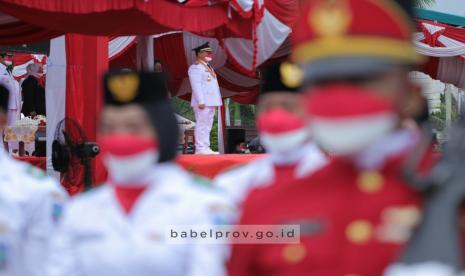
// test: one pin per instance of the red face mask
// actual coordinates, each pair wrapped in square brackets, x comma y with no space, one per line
[128,158]
[209,57]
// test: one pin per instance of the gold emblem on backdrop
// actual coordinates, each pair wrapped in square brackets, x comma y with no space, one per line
[330,18]
[124,87]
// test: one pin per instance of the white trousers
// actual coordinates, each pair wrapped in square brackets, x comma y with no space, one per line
[203,126]
[13,116]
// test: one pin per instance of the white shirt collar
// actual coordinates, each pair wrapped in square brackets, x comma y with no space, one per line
[374,156]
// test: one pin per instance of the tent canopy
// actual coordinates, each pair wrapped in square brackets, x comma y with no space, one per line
[28,20]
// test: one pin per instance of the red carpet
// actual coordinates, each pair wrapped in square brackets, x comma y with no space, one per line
[210,165]
[204,165]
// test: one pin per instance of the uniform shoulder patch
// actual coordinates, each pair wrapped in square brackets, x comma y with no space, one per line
[35,172]
[201,181]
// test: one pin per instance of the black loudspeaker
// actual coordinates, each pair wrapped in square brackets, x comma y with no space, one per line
[233,137]
[40,144]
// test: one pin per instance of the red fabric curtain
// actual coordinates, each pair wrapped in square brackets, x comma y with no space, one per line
[87,60]
[119,17]
[21,32]
[170,51]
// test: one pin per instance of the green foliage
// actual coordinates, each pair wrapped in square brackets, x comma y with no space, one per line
[438,119]
[246,114]
[183,108]
[214,134]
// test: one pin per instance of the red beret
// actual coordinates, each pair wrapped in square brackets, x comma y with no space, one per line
[351,29]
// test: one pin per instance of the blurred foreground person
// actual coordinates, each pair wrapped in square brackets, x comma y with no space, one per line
[30,205]
[283,133]
[119,229]
[357,213]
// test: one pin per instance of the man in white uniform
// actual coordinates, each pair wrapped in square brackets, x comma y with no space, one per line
[206,97]
[7,80]
[281,125]
[120,228]
[30,205]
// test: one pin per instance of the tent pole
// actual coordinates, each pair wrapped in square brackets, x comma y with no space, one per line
[145,53]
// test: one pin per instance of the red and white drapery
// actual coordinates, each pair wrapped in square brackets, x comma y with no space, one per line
[116,47]
[175,52]
[21,61]
[445,45]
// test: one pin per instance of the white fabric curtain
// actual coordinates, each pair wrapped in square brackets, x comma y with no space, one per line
[55,92]
[271,33]
[119,45]
[234,77]
[453,47]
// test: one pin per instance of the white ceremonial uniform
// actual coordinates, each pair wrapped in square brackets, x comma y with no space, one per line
[205,90]
[30,204]
[14,103]
[240,181]
[96,237]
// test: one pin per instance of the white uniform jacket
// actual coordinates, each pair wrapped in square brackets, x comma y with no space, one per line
[240,181]
[96,238]
[30,204]
[14,103]
[205,88]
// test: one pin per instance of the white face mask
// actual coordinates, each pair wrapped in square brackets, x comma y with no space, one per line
[351,135]
[282,133]
[8,62]
[131,170]
[285,142]
[345,119]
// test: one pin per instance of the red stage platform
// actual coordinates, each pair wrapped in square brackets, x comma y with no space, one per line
[204,165]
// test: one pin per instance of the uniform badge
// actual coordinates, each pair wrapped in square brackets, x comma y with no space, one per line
[294,253]
[3,256]
[370,181]
[359,231]
[124,87]
[397,223]
[330,18]
[57,211]
[291,75]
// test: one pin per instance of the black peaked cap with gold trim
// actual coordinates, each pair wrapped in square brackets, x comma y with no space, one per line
[272,80]
[126,87]
[203,48]
[349,38]
[149,91]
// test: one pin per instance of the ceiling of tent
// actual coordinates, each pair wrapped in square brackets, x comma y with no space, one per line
[29,20]
[249,32]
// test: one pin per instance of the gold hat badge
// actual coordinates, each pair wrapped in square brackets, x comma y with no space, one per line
[330,18]
[291,75]
[124,87]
